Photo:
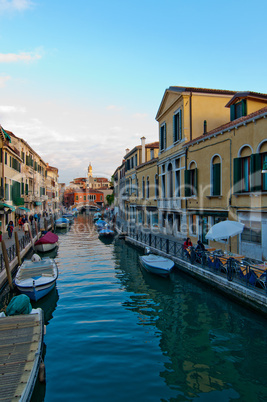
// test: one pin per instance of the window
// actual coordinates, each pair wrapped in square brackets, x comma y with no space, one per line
[216,176]
[177,126]
[147,187]
[170,181]
[251,232]
[77,197]
[193,224]
[162,136]
[151,153]
[143,188]
[156,186]
[264,175]
[190,178]
[242,172]
[239,109]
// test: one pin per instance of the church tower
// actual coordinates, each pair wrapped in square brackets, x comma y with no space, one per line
[89,176]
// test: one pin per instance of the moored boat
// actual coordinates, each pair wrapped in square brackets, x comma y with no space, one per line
[36,278]
[106,232]
[47,242]
[156,264]
[62,223]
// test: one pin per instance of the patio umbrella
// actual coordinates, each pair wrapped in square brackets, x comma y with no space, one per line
[224,230]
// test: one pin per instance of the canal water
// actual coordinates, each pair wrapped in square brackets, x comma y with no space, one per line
[117,333]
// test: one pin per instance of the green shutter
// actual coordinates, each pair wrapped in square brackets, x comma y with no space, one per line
[195,181]
[26,189]
[255,172]
[237,175]
[216,179]
[244,107]
[180,125]
[232,112]
[174,123]
[187,189]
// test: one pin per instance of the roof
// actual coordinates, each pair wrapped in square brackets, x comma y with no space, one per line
[154,144]
[228,126]
[244,95]
[178,89]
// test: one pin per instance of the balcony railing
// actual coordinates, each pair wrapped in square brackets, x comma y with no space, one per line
[169,203]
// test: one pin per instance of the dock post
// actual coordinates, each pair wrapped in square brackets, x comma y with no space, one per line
[52,223]
[8,273]
[30,232]
[45,224]
[17,248]
[36,229]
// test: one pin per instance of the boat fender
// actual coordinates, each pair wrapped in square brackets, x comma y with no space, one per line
[35,258]
[147,250]
[42,372]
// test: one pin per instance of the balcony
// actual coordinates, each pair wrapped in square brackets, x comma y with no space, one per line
[169,204]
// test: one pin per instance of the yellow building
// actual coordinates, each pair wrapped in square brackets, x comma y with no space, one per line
[128,182]
[227,165]
[184,114]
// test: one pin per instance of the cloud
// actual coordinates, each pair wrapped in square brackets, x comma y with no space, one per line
[140,115]
[15,5]
[17,57]
[11,109]
[114,107]
[3,80]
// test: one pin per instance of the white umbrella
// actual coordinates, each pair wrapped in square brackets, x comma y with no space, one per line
[224,230]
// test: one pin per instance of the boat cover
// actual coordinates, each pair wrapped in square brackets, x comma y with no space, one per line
[48,238]
[20,304]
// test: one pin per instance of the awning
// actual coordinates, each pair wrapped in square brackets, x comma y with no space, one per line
[37,203]
[206,212]
[3,206]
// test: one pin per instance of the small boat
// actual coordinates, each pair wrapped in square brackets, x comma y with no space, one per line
[106,232]
[62,223]
[100,224]
[69,215]
[156,264]
[37,277]
[47,242]
[97,216]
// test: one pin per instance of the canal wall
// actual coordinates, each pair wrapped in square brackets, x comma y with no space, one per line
[238,292]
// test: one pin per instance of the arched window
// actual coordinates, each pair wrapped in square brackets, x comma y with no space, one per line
[243,165]
[216,172]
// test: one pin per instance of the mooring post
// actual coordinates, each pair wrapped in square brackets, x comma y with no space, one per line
[17,247]
[36,229]
[8,273]
[30,232]
[52,223]
[45,224]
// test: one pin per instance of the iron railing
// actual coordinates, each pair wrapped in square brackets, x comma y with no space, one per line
[243,272]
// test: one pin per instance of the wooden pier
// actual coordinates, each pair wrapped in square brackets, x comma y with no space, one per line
[21,343]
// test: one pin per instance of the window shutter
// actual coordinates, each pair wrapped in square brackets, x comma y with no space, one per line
[180,125]
[174,122]
[216,179]
[187,186]
[165,139]
[237,175]
[244,107]
[195,181]
[255,172]
[232,112]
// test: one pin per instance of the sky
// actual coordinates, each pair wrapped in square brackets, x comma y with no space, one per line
[82,80]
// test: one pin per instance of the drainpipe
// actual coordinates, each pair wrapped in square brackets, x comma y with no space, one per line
[143,141]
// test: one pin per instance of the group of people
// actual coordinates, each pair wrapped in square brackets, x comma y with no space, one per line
[23,223]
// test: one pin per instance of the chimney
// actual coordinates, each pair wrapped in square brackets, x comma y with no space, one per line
[143,144]
[127,150]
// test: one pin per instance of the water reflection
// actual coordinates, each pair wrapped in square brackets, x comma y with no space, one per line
[213,346]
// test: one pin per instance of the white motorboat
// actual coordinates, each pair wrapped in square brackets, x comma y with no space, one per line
[156,264]
[36,278]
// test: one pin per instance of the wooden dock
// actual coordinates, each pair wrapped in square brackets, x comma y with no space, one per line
[21,343]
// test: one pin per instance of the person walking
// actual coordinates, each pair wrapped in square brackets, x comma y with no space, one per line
[26,227]
[20,223]
[10,228]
